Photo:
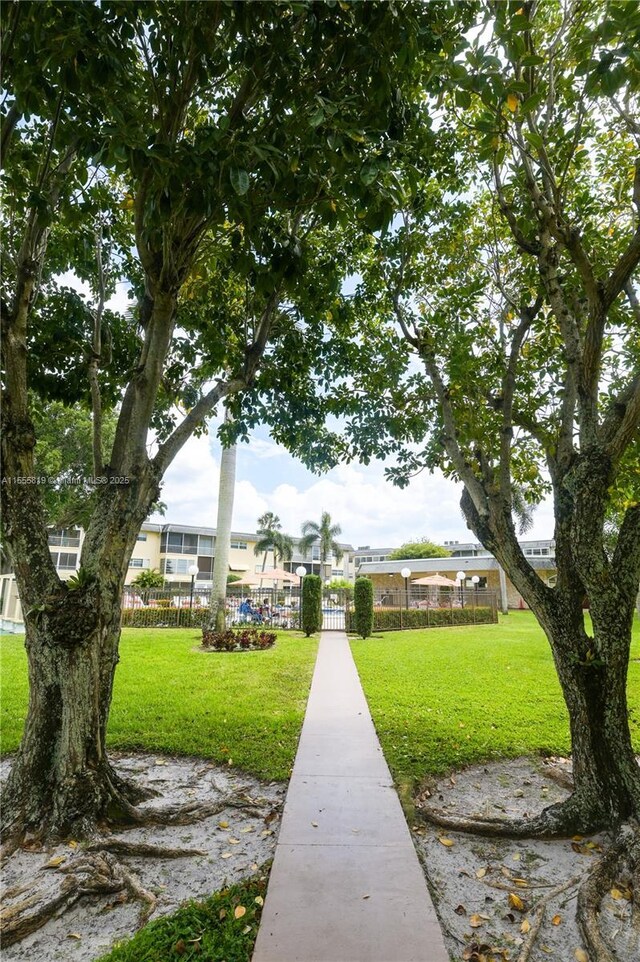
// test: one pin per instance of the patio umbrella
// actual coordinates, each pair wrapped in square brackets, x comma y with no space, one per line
[438,581]
[279,574]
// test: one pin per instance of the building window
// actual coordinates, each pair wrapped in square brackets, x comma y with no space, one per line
[141,537]
[205,544]
[65,537]
[139,563]
[239,545]
[65,560]
[175,566]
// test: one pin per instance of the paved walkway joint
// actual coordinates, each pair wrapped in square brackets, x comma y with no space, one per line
[346,884]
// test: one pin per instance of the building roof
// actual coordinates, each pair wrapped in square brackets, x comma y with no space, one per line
[443,565]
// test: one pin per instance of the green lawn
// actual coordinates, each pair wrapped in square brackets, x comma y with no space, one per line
[247,707]
[448,697]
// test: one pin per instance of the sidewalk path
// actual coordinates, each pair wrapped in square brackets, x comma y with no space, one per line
[346,884]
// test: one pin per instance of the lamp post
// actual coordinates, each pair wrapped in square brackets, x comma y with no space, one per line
[460,577]
[301,572]
[406,574]
[476,582]
[193,571]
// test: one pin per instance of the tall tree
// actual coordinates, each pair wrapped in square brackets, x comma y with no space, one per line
[180,145]
[322,534]
[419,549]
[504,316]
[272,538]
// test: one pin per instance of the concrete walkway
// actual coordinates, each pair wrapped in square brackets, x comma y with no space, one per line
[346,884]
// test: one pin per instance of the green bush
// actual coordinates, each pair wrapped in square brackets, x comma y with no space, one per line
[245,639]
[164,617]
[363,602]
[311,604]
[393,619]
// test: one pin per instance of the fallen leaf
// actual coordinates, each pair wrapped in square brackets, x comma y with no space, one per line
[73,844]
[505,871]
[223,825]
[180,947]
[246,930]
[526,926]
[226,854]
[475,921]
[239,911]
[522,882]
[516,902]
[222,914]
[447,842]
[74,935]
[481,873]
[234,841]
[616,894]
[314,824]
[556,920]
[259,900]
[580,955]
[577,838]
[249,828]
[460,910]
[55,861]
[517,857]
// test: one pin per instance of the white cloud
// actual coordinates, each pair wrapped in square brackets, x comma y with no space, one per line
[369,509]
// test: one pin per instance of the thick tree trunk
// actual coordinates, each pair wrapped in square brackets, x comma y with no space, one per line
[606,774]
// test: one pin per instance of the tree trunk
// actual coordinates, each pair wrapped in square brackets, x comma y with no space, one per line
[606,774]
[226,494]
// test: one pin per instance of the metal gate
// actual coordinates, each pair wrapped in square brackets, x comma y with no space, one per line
[334,609]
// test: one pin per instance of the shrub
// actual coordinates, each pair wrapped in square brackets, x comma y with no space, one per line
[394,619]
[246,639]
[363,601]
[311,604]
[164,617]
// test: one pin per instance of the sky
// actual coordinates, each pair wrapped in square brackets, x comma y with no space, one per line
[370,510]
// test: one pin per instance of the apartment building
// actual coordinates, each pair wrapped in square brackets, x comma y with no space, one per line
[173,550]
[469,557]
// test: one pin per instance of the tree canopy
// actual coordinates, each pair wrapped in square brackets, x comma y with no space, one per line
[424,548]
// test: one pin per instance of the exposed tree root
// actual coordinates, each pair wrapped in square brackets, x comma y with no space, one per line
[119,846]
[190,812]
[565,818]
[93,874]
[599,880]
[541,910]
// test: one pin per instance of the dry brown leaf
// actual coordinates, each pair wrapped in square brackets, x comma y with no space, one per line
[460,910]
[222,914]
[516,902]
[74,935]
[481,873]
[239,911]
[55,861]
[475,920]
[72,843]
[259,900]
[447,842]
[556,920]
[580,955]
[234,841]
[226,854]
[525,927]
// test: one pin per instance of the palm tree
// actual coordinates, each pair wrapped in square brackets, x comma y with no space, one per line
[226,492]
[271,538]
[323,535]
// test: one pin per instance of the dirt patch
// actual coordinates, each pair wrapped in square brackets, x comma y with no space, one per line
[228,847]
[488,892]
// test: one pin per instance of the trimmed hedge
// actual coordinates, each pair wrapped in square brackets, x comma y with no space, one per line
[164,617]
[363,602]
[311,604]
[393,619]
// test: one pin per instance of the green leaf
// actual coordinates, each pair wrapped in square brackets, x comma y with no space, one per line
[239,180]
